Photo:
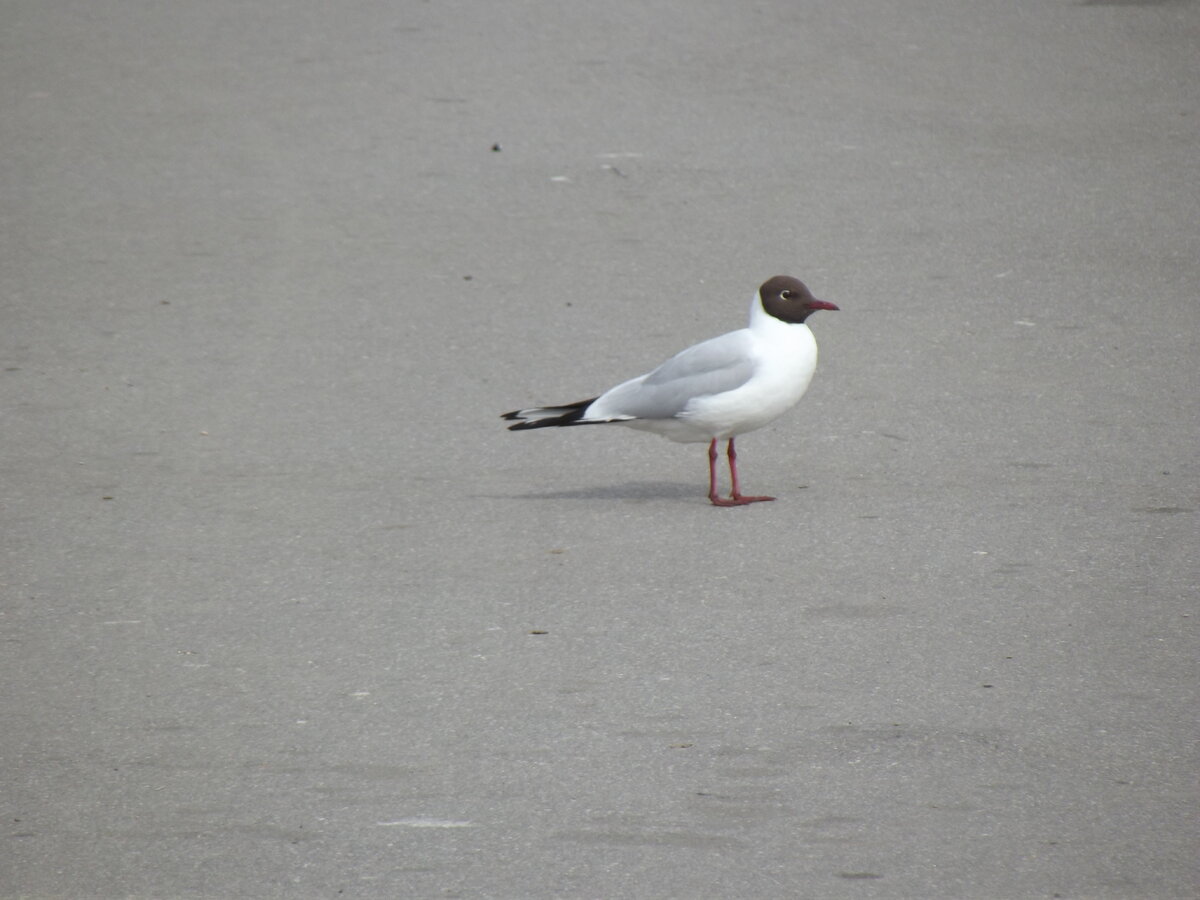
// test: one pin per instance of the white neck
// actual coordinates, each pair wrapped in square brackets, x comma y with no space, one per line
[761,320]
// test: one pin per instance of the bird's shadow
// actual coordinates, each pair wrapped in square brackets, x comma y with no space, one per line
[630,490]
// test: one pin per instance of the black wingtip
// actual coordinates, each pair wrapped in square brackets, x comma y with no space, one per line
[570,414]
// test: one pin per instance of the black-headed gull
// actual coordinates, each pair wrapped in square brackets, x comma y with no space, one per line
[715,390]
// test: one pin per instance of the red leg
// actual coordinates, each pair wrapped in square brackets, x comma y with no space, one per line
[737,496]
[712,474]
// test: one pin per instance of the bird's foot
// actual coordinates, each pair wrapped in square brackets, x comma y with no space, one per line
[736,500]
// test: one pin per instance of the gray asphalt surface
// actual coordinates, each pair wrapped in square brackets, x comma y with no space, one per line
[286,612]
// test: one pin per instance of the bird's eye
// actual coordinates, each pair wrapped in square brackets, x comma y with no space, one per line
[785,294]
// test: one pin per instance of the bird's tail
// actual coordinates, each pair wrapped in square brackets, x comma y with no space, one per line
[547,416]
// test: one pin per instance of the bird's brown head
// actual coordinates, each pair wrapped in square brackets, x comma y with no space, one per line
[789,300]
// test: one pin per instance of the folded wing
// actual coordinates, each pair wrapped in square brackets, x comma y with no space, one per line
[715,366]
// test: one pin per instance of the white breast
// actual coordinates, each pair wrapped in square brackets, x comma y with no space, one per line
[786,358]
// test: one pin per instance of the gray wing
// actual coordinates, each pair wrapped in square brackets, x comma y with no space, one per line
[715,366]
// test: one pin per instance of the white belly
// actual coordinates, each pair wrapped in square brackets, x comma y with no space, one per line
[788,359]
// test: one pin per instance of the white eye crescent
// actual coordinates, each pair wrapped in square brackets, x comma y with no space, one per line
[785,294]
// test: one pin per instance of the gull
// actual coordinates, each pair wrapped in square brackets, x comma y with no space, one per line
[714,390]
